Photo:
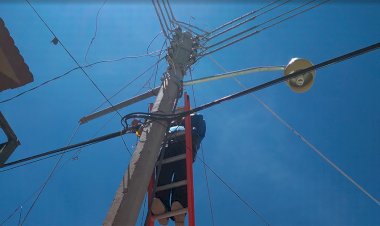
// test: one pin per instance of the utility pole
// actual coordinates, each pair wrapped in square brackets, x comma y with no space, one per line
[130,195]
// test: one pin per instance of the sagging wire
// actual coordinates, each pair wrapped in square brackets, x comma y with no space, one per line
[204,53]
[151,42]
[96,30]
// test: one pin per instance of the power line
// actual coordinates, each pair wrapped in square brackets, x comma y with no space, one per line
[68,147]
[203,53]
[160,20]
[248,20]
[243,16]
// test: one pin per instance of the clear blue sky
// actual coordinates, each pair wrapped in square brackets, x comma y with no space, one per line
[270,167]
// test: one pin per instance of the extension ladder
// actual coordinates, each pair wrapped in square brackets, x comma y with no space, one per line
[187,182]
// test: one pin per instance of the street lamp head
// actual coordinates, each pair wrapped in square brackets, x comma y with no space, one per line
[301,83]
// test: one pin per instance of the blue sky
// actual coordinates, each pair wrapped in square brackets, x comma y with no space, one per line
[270,167]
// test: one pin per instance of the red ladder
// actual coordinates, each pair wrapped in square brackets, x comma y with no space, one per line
[189,176]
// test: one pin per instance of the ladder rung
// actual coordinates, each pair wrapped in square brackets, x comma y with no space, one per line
[172,185]
[174,159]
[170,214]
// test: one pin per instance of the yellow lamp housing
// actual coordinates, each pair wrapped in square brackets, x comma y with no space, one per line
[302,83]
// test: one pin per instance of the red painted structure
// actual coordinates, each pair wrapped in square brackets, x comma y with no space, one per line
[189,170]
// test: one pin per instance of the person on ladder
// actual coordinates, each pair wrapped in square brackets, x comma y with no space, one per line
[176,198]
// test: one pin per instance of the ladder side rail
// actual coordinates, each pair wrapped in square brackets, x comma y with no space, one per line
[189,163]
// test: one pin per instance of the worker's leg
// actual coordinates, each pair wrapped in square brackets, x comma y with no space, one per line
[161,202]
[179,193]
[165,177]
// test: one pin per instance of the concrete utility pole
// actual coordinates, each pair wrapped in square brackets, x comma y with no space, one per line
[130,195]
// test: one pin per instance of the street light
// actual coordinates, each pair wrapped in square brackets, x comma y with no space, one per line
[298,84]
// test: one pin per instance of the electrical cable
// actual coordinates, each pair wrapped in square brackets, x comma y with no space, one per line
[96,30]
[157,116]
[163,15]
[172,25]
[247,20]
[260,30]
[68,147]
[151,42]
[242,17]
[159,19]
[40,159]
[259,25]
[170,9]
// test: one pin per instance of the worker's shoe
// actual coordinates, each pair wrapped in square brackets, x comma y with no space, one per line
[159,208]
[179,219]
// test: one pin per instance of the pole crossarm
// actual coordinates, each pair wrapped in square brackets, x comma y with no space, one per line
[154,91]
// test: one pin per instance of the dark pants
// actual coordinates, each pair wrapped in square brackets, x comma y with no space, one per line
[173,172]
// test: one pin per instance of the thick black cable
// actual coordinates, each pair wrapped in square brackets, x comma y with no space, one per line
[64,149]
[172,25]
[335,60]
[40,159]
[159,19]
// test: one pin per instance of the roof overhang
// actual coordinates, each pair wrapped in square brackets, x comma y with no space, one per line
[14,72]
